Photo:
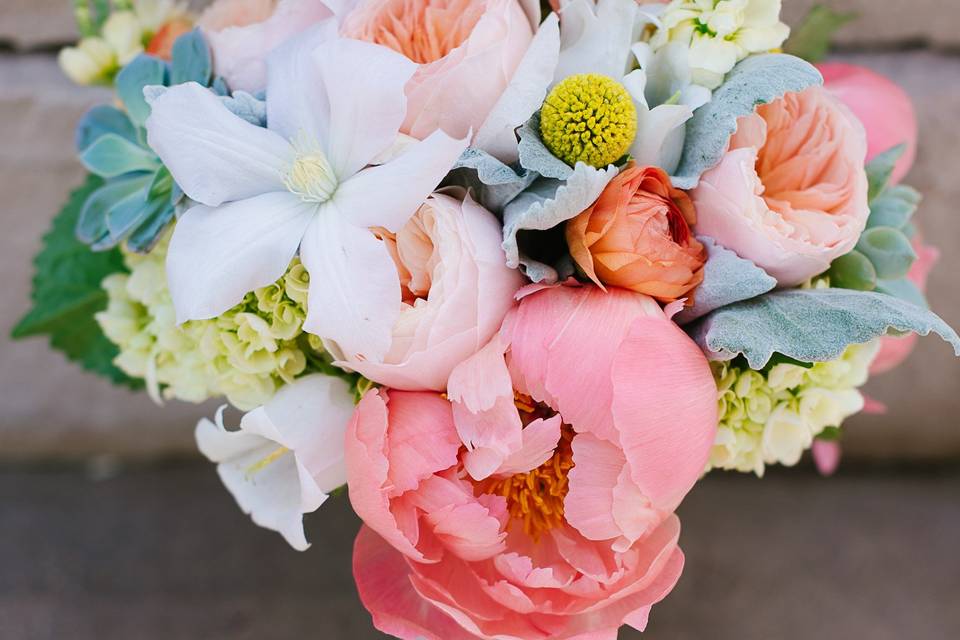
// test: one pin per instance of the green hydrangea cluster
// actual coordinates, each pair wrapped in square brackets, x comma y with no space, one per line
[772,416]
[245,354]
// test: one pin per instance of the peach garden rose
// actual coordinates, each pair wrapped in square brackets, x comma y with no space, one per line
[637,236]
[467,51]
[456,289]
[791,192]
[242,32]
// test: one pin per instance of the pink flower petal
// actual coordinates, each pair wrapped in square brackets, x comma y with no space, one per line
[665,408]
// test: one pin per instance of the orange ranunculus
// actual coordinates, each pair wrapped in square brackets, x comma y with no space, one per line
[161,44]
[637,236]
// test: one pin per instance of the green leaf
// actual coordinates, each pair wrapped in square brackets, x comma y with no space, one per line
[757,80]
[143,71]
[112,155]
[810,325]
[67,292]
[894,207]
[191,60]
[811,40]
[889,250]
[881,168]
[853,271]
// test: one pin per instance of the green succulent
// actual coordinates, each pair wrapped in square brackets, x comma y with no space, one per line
[139,196]
[884,253]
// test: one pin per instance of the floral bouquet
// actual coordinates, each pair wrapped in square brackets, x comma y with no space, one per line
[516,276]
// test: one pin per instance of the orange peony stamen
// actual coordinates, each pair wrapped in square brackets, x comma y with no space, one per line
[536,498]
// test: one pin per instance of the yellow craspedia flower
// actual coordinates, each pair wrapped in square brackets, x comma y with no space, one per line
[588,118]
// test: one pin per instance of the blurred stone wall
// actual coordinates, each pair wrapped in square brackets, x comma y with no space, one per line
[50,409]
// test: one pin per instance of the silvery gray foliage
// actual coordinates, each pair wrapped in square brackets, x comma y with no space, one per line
[727,278]
[810,325]
[241,104]
[547,205]
[755,81]
[535,156]
[492,182]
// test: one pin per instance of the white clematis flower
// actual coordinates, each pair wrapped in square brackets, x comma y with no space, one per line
[287,455]
[334,107]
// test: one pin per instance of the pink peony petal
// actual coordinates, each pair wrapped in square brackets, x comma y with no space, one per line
[383,583]
[665,408]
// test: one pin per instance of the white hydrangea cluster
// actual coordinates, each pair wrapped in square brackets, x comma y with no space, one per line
[773,416]
[720,33]
[244,354]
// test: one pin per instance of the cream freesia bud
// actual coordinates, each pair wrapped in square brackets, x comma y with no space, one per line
[124,34]
[720,33]
[90,62]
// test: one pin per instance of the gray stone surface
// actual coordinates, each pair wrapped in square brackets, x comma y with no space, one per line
[32,24]
[888,23]
[50,408]
[152,555]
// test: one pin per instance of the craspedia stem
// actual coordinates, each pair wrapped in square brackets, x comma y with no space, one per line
[588,118]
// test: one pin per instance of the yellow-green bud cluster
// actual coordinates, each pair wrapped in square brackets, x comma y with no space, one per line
[244,354]
[773,416]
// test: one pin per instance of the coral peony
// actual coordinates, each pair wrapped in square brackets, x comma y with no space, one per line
[467,52]
[161,44]
[537,502]
[637,236]
[791,193]
[242,32]
[456,290]
[881,105]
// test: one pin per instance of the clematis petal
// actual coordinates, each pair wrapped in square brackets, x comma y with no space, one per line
[364,84]
[218,255]
[387,195]
[310,416]
[298,103]
[354,298]
[214,155]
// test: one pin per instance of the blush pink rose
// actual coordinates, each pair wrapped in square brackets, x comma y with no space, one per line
[456,290]
[791,192]
[885,110]
[535,501]
[242,32]
[467,50]
[894,350]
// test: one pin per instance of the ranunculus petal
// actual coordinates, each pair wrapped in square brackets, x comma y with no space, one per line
[388,194]
[218,255]
[214,155]
[355,308]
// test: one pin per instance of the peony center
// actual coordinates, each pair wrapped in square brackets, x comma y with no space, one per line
[588,118]
[536,498]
